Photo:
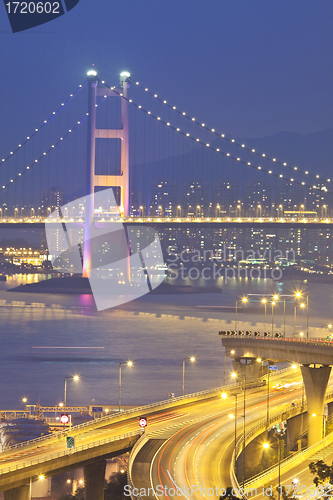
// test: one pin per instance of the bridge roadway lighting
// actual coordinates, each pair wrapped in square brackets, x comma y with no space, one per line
[244,300]
[192,359]
[128,363]
[75,378]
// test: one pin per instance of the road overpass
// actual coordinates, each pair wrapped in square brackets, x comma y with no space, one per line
[200,421]
[94,442]
[97,440]
[199,454]
[314,355]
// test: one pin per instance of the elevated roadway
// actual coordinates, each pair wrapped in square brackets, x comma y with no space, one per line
[176,222]
[199,454]
[101,439]
[314,355]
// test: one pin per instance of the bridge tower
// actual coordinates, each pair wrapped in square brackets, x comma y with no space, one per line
[92,179]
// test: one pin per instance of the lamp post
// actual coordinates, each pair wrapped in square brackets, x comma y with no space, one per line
[128,363]
[244,408]
[267,392]
[307,317]
[192,358]
[76,378]
[273,304]
[244,299]
[266,446]
[224,395]
[284,317]
[264,301]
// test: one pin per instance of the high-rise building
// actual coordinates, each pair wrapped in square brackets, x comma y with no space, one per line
[52,199]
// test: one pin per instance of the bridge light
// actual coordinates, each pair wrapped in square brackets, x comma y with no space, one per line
[92,72]
[41,477]
[231,415]
[314,414]
[294,367]
[224,395]
[266,445]
[234,375]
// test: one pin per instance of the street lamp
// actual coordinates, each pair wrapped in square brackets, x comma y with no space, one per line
[75,378]
[264,301]
[192,358]
[128,363]
[41,477]
[244,408]
[266,446]
[298,295]
[233,416]
[273,304]
[244,299]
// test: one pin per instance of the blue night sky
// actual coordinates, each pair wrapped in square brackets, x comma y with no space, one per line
[249,67]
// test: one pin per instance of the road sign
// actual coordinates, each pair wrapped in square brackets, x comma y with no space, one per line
[273,367]
[64,419]
[70,442]
[143,422]
[97,409]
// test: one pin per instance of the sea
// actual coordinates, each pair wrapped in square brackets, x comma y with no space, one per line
[47,337]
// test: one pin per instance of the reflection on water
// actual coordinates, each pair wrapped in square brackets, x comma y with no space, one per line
[23,279]
[45,337]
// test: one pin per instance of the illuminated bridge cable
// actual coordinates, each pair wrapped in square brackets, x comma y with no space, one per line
[37,160]
[43,124]
[232,141]
[217,150]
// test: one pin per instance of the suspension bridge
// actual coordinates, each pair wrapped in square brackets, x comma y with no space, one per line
[167,169]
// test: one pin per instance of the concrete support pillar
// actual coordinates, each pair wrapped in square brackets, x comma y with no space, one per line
[248,367]
[21,493]
[315,382]
[254,451]
[94,475]
[295,427]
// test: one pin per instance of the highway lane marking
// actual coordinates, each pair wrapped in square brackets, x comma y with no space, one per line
[174,483]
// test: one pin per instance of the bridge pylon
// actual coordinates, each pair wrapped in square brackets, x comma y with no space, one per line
[94,180]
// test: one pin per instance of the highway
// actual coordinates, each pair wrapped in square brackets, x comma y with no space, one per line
[170,420]
[199,454]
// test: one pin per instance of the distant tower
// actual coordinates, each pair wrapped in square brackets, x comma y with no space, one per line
[93,180]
